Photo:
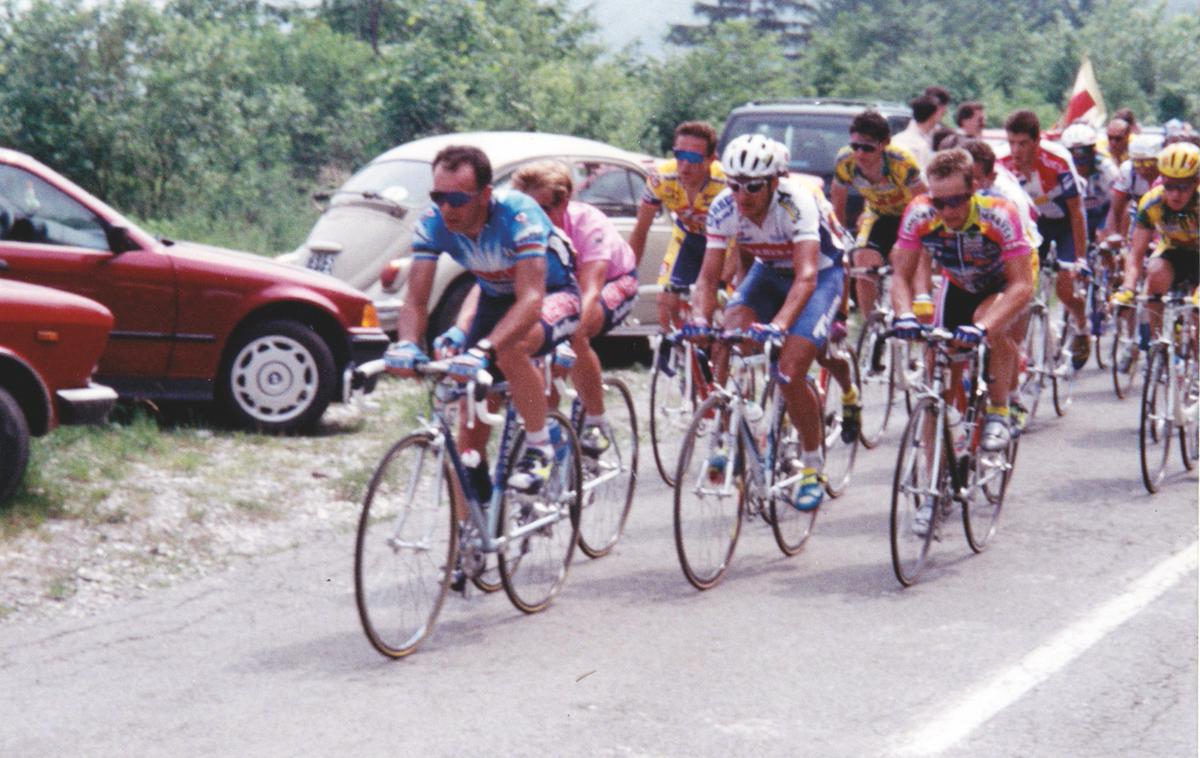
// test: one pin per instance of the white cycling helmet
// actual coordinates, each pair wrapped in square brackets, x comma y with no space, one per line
[1079,135]
[752,156]
[1144,147]
[785,158]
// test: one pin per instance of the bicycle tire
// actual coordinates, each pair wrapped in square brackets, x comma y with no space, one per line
[1125,340]
[1062,388]
[708,508]
[408,505]
[791,527]
[989,475]
[877,379]
[1155,424]
[534,567]
[1032,380]
[839,455]
[912,481]
[1098,316]
[1189,396]
[606,508]
[670,412]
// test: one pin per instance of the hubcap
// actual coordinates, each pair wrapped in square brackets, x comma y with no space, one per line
[274,378]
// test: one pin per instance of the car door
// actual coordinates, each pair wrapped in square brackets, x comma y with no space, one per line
[49,237]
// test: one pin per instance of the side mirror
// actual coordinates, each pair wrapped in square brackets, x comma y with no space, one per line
[118,239]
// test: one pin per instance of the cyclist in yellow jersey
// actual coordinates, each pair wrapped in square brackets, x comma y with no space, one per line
[1172,210]
[686,186]
[888,177]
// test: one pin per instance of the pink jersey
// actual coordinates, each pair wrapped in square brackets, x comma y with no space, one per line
[595,238]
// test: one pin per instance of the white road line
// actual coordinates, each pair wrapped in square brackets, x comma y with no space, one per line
[954,722]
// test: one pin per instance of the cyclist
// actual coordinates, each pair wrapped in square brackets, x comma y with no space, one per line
[1171,211]
[529,300]
[1098,172]
[888,177]
[1134,179]
[980,243]
[607,276]
[686,184]
[1048,176]
[792,291]
[1118,134]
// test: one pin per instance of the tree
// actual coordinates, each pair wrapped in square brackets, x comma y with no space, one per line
[787,19]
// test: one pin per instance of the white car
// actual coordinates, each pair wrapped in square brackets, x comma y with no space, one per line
[364,235]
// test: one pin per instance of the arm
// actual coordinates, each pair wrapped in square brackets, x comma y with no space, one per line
[466,312]
[905,264]
[1137,255]
[526,310]
[838,195]
[591,276]
[641,228]
[414,313]
[1117,221]
[805,257]
[1078,226]
[704,293]
[1018,289]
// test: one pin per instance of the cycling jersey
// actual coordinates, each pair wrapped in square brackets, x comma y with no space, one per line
[1177,229]
[664,189]
[889,196]
[1006,186]
[972,258]
[516,229]
[1098,185]
[793,216]
[1052,181]
[1130,182]
[595,238]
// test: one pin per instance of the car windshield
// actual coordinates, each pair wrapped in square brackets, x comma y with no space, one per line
[812,140]
[415,177]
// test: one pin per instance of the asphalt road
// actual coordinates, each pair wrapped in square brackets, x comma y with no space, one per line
[1075,634]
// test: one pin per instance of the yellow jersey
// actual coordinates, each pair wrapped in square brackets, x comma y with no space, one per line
[888,197]
[663,189]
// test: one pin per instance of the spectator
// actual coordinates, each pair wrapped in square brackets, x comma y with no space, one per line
[970,118]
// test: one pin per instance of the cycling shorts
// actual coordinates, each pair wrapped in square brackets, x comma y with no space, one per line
[560,316]
[1185,266]
[1095,220]
[765,288]
[877,232]
[617,300]
[956,307]
[681,264]
[1058,232]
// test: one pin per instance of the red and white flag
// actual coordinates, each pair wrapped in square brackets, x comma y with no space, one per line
[1086,101]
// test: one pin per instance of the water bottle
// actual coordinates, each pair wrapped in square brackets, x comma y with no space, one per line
[958,432]
[1144,336]
[556,441]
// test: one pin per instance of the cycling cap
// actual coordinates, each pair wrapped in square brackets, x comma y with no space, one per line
[1145,146]
[752,156]
[1179,161]
[1078,135]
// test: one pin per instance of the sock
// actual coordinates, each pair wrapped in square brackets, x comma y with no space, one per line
[999,410]
[812,459]
[850,396]
[540,438]
[590,420]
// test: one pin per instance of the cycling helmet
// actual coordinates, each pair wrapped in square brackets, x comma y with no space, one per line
[1145,147]
[1078,135]
[752,156]
[1179,161]
[785,158]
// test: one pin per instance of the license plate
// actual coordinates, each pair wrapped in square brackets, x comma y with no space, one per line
[322,262]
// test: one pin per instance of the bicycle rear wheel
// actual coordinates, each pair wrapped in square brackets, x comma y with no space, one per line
[921,477]
[839,455]
[1064,372]
[1155,429]
[791,527]
[877,382]
[708,497]
[610,476]
[1032,379]
[672,403]
[406,547]
[987,484]
[534,561]
[1125,352]
[1189,396]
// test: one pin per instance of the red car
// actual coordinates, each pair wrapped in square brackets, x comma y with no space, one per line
[49,344]
[271,344]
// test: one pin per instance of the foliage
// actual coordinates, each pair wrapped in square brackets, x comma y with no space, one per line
[788,19]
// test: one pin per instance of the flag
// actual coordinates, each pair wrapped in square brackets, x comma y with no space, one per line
[1086,101]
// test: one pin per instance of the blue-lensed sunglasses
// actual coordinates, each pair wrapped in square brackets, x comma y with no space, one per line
[689,156]
[453,198]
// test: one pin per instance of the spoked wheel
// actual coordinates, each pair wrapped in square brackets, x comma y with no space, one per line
[921,479]
[877,380]
[1064,371]
[986,486]
[1189,396]
[708,497]
[1125,352]
[1154,432]
[792,527]
[406,548]
[672,403]
[541,529]
[609,474]
[1098,315]
[839,454]
[1036,364]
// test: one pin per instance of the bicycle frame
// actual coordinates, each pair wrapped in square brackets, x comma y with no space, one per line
[1176,309]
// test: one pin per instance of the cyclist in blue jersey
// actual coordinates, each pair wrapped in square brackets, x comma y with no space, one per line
[529,300]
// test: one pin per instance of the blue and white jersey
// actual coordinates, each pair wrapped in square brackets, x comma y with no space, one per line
[793,216]
[516,228]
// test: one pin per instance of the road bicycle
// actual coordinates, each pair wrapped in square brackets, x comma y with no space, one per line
[1045,357]
[739,462]
[940,464]
[425,524]
[1171,392]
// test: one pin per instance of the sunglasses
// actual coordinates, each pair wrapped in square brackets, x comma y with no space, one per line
[1178,186]
[688,156]
[863,147]
[1118,138]
[453,198]
[1145,162]
[953,201]
[753,186]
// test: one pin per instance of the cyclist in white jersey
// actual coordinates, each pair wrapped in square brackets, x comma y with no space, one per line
[1134,179]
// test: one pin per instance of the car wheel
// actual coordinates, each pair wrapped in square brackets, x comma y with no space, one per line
[279,377]
[447,310]
[14,444]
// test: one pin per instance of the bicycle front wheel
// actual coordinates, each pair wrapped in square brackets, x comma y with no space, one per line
[672,403]
[839,454]
[1064,371]
[1189,400]
[540,530]
[877,388]
[708,496]
[986,486]
[610,475]
[1125,351]
[1155,429]
[920,491]
[407,543]
[792,527]
[1035,362]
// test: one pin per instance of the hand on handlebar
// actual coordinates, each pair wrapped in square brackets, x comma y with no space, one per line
[402,358]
